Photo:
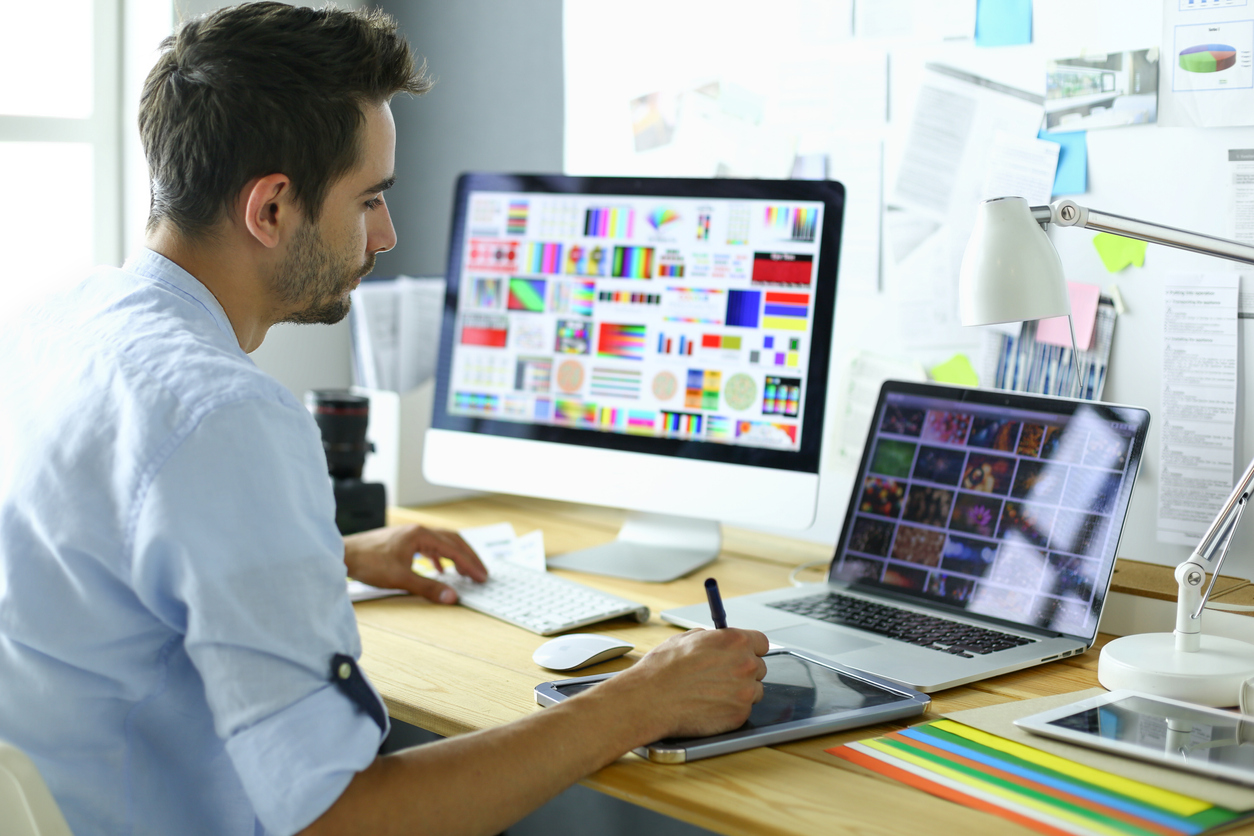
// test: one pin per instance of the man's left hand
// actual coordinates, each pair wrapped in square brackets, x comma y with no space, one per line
[384,557]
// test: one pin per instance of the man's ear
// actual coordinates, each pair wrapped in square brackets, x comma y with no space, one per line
[268,208]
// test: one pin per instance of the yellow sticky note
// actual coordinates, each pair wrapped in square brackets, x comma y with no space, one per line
[1118,252]
[956,370]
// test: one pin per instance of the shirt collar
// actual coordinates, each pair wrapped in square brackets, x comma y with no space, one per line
[153,265]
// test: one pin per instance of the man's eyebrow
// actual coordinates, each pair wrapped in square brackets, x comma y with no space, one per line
[381,186]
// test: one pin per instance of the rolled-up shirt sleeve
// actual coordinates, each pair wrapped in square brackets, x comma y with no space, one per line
[236,549]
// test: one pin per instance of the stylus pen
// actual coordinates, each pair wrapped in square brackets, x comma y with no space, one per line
[716,604]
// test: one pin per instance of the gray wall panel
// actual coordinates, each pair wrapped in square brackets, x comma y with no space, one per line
[496,106]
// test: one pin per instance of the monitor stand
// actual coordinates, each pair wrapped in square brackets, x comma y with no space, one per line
[650,547]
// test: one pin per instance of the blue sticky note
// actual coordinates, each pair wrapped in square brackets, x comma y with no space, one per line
[1072,176]
[1003,22]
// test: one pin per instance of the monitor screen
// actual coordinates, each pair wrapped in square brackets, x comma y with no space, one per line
[676,317]
[995,503]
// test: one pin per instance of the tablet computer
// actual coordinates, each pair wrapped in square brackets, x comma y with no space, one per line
[802,697]
[1169,732]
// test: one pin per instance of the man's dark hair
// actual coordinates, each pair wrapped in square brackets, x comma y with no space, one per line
[264,88]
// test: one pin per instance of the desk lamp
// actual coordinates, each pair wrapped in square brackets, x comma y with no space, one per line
[1010,272]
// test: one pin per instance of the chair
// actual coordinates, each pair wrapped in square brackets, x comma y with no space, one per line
[27,808]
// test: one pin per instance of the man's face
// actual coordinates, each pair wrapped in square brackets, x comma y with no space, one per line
[327,259]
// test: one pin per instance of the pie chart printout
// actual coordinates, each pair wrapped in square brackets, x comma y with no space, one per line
[1207,58]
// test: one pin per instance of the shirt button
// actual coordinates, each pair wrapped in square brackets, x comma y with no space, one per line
[345,670]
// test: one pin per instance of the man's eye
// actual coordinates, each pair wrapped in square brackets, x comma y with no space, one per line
[375,203]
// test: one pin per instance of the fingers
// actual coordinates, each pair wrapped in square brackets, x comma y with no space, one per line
[438,543]
[432,590]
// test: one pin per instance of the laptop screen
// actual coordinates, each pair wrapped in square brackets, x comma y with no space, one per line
[999,504]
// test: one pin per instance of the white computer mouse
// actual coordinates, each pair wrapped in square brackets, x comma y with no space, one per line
[578,650]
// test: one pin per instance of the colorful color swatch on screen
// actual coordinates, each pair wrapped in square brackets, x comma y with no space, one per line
[618,340]
[782,268]
[703,389]
[632,263]
[574,297]
[533,374]
[703,225]
[516,219]
[543,258]
[585,261]
[721,342]
[720,428]
[526,295]
[575,413]
[793,223]
[767,433]
[782,396]
[670,265]
[622,297]
[659,218]
[786,311]
[742,308]
[681,424]
[615,383]
[677,344]
[484,403]
[487,293]
[641,421]
[485,330]
[499,256]
[573,336]
[609,223]
[702,305]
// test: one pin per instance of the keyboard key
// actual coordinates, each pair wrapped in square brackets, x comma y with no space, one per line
[905,625]
[537,601]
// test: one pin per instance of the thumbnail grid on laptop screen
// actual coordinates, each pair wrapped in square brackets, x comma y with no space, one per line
[656,316]
[1008,513]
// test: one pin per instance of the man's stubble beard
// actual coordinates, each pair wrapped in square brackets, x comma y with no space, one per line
[313,283]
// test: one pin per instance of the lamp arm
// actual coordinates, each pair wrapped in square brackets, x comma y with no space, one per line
[1069,213]
[1192,572]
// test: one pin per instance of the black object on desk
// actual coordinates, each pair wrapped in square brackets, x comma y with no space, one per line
[342,418]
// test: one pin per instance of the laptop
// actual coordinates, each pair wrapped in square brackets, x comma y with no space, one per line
[980,538]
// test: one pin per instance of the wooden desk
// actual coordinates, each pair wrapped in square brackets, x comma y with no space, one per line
[452,670]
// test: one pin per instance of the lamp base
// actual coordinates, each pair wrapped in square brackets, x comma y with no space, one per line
[1150,662]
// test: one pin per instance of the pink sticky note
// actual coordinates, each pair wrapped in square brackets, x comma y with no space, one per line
[1054,331]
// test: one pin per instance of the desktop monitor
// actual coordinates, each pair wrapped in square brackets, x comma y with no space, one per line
[658,345]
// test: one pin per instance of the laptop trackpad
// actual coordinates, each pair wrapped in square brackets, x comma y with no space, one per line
[819,640]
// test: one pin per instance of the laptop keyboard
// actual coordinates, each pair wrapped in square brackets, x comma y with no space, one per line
[904,625]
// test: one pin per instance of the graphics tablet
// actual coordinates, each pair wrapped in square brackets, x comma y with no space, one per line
[1178,734]
[803,697]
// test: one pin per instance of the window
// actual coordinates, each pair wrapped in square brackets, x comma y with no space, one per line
[59,145]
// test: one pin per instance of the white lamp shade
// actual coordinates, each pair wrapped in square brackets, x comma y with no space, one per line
[1010,271]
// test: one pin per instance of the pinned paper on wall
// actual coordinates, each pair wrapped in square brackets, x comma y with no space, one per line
[1084,299]
[1118,252]
[1003,22]
[1022,166]
[1072,176]
[1103,90]
[956,370]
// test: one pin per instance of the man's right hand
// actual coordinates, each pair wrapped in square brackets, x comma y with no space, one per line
[695,684]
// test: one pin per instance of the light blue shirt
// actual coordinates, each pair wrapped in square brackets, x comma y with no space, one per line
[171,577]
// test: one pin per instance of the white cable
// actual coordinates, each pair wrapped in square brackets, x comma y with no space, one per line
[792,576]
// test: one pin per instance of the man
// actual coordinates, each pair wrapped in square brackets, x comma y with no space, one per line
[177,651]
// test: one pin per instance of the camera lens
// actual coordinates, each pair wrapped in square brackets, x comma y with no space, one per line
[342,418]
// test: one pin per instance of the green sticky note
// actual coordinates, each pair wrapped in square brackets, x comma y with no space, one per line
[956,370]
[1118,252]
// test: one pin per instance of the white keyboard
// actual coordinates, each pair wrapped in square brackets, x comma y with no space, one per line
[538,601]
